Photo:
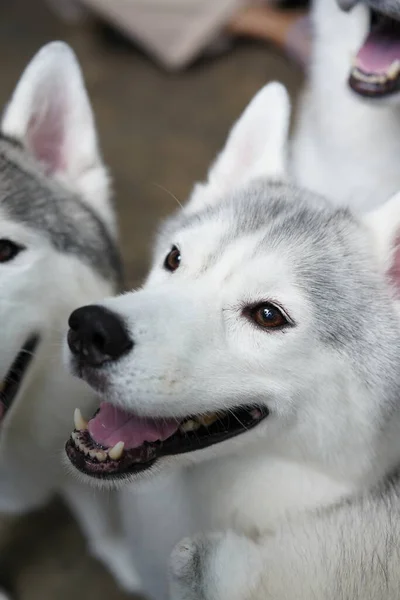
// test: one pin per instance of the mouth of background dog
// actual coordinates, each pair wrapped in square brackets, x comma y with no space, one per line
[116,443]
[12,382]
[376,69]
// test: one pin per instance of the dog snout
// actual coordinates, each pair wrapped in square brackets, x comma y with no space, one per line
[97,335]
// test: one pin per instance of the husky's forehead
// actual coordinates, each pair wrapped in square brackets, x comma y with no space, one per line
[274,212]
[323,245]
[31,199]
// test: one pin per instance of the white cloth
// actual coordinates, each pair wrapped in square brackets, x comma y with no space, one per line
[174,32]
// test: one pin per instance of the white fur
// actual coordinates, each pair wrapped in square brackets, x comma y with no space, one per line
[50,111]
[344,148]
[50,115]
[256,146]
[194,352]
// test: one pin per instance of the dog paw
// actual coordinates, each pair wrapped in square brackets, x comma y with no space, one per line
[214,567]
[190,566]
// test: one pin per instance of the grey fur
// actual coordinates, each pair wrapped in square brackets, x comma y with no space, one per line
[331,265]
[31,198]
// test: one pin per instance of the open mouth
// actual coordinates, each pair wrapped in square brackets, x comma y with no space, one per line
[376,68]
[12,382]
[115,443]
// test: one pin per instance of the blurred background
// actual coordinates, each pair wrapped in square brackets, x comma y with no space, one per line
[160,127]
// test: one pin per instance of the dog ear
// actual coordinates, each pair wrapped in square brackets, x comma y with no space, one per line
[256,146]
[384,223]
[50,115]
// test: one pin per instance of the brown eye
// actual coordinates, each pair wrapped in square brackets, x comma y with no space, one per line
[8,250]
[268,316]
[173,259]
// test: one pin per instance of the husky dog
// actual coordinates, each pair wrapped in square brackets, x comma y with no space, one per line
[260,359]
[348,135]
[57,250]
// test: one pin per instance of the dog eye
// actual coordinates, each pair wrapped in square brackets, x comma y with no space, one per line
[8,250]
[267,316]
[173,259]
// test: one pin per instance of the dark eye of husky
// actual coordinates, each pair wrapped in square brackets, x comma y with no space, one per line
[8,250]
[173,259]
[267,316]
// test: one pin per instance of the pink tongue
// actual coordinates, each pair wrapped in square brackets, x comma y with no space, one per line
[380,49]
[112,425]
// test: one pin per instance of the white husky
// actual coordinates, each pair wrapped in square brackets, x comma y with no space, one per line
[348,136]
[57,250]
[260,359]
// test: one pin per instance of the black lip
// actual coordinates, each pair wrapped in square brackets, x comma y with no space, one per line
[374,90]
[140,459]
[16,372]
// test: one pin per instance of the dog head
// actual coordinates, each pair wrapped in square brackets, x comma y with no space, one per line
[375,31]
[56,232]
[269,322]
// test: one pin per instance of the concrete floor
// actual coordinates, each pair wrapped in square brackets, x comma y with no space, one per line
[158,132]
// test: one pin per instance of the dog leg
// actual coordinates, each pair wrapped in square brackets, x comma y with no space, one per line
[215,567]
[97,515]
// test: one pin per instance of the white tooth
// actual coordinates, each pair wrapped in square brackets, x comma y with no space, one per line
[394,69]
[79,421]
[101,455]
[189,425]
[82,447]
[116,452]
[368,78]
[207,419]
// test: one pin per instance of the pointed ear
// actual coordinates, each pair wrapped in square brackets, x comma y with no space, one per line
[256,146]
[50,115]
[384,223]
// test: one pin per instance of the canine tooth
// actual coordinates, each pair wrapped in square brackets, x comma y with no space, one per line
[79,421]
[189,425]
[116,452]
[393,70]
[207,419]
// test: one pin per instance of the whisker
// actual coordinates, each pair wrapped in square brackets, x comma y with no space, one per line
[168,192]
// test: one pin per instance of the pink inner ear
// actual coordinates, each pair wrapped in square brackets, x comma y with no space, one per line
[394,271]
[46,135]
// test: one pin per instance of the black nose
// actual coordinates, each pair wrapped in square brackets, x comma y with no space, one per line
[97,335]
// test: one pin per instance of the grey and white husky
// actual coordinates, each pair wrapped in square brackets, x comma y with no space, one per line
[348,136]
[258,370]
[57,251]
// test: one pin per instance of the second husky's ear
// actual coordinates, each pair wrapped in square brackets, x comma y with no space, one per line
[50,115]
[384,223]
[256,146]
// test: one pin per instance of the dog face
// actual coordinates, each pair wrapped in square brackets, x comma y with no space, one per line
[375,72]
[56,234]
[256,328]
